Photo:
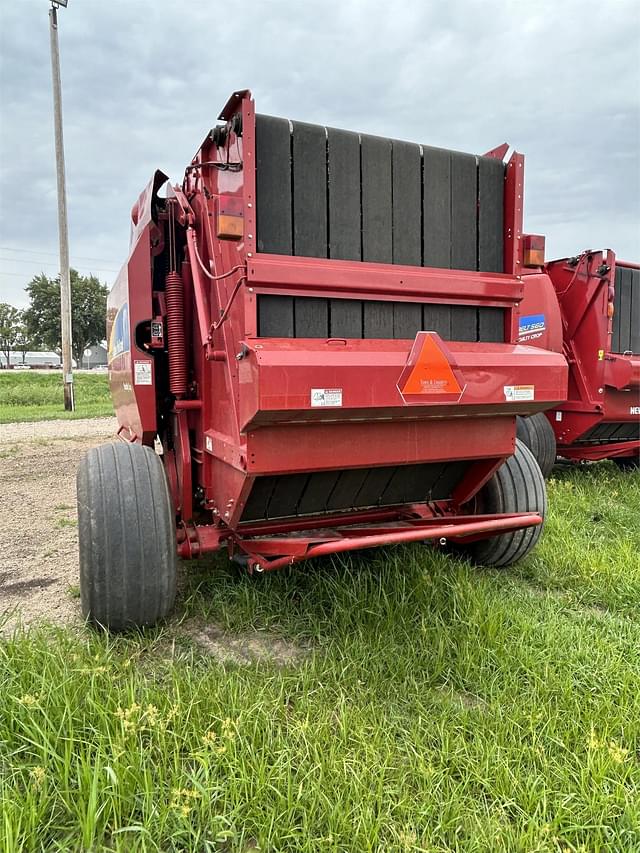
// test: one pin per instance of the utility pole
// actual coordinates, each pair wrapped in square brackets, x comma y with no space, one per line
[65,276]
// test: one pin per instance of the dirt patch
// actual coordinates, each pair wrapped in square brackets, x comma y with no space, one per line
[39,543]
[38,527]
[244,649]
[80,428]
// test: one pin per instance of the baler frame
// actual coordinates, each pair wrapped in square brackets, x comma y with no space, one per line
[237,282]
[282,446]
[604,386]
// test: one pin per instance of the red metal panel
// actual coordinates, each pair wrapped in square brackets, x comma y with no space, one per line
[131,369]
[384,442]
[249,182]
[277,378]
[331,278]
[513,214]
[539,300]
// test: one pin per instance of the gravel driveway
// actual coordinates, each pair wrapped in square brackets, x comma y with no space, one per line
[38,527]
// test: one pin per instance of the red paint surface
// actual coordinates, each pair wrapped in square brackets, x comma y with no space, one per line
[604,387]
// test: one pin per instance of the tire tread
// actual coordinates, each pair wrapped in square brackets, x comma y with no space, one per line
[537,433]
[517,486]
[128,562]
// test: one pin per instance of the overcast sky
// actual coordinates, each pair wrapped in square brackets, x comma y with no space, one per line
[143,81]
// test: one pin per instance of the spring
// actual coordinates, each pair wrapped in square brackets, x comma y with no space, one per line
[174,293]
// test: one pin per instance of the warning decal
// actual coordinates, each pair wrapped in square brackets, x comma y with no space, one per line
[142,373]
[519,393]
[431,373]
[329,397]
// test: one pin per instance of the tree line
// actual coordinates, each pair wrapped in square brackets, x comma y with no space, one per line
[39,325]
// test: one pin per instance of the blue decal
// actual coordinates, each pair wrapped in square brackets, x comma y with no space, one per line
[532,323]
[119,340]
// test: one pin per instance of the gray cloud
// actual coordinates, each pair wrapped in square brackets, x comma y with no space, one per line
[144,81]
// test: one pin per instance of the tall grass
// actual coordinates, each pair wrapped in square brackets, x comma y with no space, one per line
[29,396]
[432,706]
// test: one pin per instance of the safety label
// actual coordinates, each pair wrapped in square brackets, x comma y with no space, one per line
[329,397]
[431,372]
[531,327]
[142,372]
[519,393]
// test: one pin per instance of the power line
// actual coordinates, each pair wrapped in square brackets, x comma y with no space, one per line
[49,264]
[23,276]
[53,254]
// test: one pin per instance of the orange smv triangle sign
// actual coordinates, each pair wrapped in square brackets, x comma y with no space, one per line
[432,373]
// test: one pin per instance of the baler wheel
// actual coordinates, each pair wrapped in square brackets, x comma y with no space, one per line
[627,463]
[126,530]
[517,486]
[537,433]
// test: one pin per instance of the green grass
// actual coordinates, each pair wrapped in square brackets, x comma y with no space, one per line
[436,707]
[28,396]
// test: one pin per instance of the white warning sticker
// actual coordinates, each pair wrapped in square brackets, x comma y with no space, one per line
[142,372]
[329,397]
[519,393]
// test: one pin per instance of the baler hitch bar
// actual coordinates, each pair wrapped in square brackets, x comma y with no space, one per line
[276,552]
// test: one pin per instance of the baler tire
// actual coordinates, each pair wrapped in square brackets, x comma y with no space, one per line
[627,463]
[127,539]
[537,433]
[517,486]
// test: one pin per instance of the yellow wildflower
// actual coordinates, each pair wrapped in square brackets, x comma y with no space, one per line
[182,800]
[37,774]
[129,716]
[616,752]
[228,728]
[29,699]
[152,715]
[408,840]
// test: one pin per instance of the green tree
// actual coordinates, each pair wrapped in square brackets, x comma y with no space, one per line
[10,322]
[88,311]
[23,342]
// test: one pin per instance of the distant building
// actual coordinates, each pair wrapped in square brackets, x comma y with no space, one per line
[94,356]
[32,359]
